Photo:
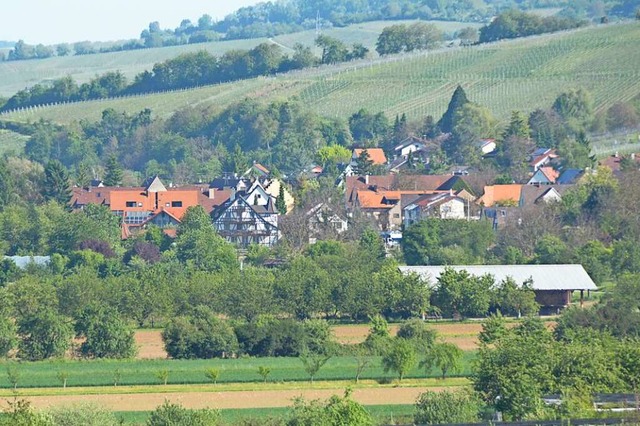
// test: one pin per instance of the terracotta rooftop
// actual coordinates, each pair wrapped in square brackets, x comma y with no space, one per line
[375,154]
[497,194]
[551,173]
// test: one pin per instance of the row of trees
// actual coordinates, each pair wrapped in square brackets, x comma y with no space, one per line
[514,23]
[189,70]
[407,38]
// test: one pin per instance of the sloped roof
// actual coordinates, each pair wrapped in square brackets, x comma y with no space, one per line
[154,184]
[532,193]
[545,277]
[23,261]
[495,194]
[551,173]
[375,154]
[570,176]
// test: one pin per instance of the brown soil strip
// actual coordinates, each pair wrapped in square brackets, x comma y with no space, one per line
[239,399]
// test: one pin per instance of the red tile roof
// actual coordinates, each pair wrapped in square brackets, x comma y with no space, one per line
[375,154]
[496,194]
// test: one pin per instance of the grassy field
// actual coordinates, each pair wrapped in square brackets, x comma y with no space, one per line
[510,75]
[11,142]
[17,75]
[144,372]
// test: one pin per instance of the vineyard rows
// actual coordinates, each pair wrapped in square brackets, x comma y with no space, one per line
[520,74]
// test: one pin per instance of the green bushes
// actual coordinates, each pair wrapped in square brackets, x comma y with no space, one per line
[202,335]
[447,407]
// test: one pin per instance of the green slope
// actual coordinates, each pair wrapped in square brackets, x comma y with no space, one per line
[16,75]
[519,74]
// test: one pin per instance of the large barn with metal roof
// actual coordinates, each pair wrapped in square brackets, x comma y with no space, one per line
[552,284]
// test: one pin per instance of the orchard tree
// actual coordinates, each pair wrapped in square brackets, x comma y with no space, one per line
[400,358]
[106,334]
[45,334]
[202,335]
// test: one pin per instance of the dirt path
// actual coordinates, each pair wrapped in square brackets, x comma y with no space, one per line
[239,399]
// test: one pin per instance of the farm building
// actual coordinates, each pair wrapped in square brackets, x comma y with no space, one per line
[552,284]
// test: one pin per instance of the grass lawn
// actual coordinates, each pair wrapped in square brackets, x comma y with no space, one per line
[11,142]
[44,374]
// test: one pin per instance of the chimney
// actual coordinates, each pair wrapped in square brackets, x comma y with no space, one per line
[633,155]
[451,192]
[616,154]
[232,197]
[212,193]
[366,179]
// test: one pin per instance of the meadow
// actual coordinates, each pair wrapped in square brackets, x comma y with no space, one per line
[16,75]
[46,374]
[11,142]
[521,74]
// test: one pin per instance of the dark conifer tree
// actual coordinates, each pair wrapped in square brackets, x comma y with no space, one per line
[458,100]
[56,183]
[113,175]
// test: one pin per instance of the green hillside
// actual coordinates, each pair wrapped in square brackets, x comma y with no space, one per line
[519,74]
[11,141]
[16,75]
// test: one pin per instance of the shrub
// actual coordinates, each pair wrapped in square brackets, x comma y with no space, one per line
[447,407]
[202,335]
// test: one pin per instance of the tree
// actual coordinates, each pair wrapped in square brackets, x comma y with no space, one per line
[335,411]
[202,335]
[114,173]
[264,372]
[163,376]
[516,300]
[514,374]
[576,107]
[8,335]
[458,100]
[56,185]
[13,375]
[400,358]
[447,356]
[45,334]
[494,328]
[471,123]
[169,414]
[312,363]
[105,334]
[281,205]
[205,249]
[333,50]
[83,414]
[447,407]
[364,164]
[518,126]
[419,333]
[212,374]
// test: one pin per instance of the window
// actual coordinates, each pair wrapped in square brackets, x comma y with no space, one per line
[176,204]
[131,203]
[396,215]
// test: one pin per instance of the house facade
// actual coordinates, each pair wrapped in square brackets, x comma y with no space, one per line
[248,217]
[439,205]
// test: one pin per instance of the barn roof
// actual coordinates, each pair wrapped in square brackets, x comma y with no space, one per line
[545,277]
